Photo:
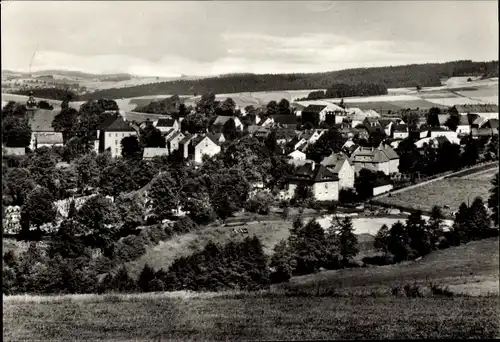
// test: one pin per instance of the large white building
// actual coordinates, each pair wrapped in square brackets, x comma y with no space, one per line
[110,135]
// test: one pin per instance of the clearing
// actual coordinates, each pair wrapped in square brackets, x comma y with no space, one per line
[472,269]
[449,191]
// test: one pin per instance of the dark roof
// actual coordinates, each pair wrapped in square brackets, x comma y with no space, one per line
[214,137]
[375,129]
[385,122]
[285,133]
[42,120]
[314,108]
[441,140]
[318,174]
[165,123]
[116,124]
[285,119]
[401,128]
[173,136]
[186,139]
[492,123]
[372,119]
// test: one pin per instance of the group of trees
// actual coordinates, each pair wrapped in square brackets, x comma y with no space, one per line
[416,237]
[340,90]
[16,131]
[390,77]
[310,248]
[59,94]
[446,156]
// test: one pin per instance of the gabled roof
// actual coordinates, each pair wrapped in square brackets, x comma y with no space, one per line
[175,135]
[477,108]
[42,120]
[375,155]
[463,120]
[314,109]
[187,139]
[441,140]
[443,118]
[385,122]
[285,119]
[165,123]
[388,151]
[215,137]
[335,161]
[492,123]
[116,124]
[221,120]
[401,128]
[372,119]
[314,173]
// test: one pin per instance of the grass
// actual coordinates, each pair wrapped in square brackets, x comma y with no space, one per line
[250,317]
[356,309]
[472,269]
[451,192]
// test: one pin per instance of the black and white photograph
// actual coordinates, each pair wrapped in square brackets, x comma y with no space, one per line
[250,170]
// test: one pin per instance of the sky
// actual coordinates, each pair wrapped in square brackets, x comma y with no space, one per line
[201,38]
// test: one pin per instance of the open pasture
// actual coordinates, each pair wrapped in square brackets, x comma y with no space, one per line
[451,192]
[187,316]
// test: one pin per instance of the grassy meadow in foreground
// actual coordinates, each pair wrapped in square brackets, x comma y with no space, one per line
[251,318]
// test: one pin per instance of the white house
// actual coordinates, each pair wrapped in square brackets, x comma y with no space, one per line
[110,134]
[296,157]
[463,127]
[165,125]
[204,145]
[173,141]
[315,136]
[340,165]
[440,132]
[401,131]
[323,183]
[151,152]
[382,158]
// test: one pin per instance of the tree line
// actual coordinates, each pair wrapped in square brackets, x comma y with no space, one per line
[340,90]
[391,77]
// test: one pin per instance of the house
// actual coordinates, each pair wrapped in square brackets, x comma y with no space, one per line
[185,143]
[265,122]
[46,139]
[151,152]
[285,121]
[463,127]
[165,125]
[173,141]
[400,131]
[203,145]
[371,121]
[218,138]
[483,132]
[296,157]
[418,133]
[42,132]
[284,136]
[387,125]
[13,151]
[317,133]
[222,120]
[323,183]
[12,220]
[382,158]
[262,132]
[348,144]
[452,136]
[340,165]
[110,134]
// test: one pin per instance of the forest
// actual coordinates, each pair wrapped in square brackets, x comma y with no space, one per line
[413,75]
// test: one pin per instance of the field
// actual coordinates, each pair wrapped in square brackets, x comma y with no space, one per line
[270,232]
[472,269]
[451,192]
[183,316]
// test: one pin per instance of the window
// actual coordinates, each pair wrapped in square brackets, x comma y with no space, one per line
[116,142]
[116,135]
[109,135]
[123,134]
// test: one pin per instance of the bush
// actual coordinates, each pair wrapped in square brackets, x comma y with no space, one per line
[184,225]
[156,285]
[129,248]
[379,260]
[260,203]
[282,274]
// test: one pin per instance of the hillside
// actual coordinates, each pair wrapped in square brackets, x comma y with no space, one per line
[424,75]
[273,315]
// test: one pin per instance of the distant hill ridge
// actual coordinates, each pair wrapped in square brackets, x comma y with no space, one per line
[413,75]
